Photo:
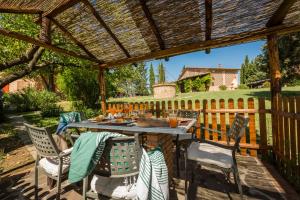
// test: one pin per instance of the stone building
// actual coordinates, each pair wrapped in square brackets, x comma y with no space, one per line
[220,76]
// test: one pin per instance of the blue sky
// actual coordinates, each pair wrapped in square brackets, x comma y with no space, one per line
[231,57]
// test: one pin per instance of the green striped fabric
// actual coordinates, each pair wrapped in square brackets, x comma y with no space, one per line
[86,153]
[152,183]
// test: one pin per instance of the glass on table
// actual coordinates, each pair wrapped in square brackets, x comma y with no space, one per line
[173,121]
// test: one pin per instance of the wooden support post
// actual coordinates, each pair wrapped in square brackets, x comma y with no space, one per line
[274,65]
[102,87]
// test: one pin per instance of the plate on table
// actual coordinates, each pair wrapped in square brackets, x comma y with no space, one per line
[184,122]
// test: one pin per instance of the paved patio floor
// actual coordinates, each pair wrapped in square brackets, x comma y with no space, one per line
[258,183]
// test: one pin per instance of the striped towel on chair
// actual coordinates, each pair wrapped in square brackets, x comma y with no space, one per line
[152,183]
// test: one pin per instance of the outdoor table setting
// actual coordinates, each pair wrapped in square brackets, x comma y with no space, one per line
[152,132]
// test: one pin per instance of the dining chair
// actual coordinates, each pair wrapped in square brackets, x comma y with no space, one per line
[116,171]
[50,159]
[216,155]
[186,114]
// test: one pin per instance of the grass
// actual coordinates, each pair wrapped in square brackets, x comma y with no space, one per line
[235,94]
[36,119]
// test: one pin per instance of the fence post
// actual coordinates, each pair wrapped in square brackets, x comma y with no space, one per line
[262,126]
[157,110]
[205,117]
[252,128]
[213,106]
[223,120]
[175,105]
[293,135]
[182,104]
[163,109]
[197,107]
[298,135]
[190,105]
[243,140]
[286,136]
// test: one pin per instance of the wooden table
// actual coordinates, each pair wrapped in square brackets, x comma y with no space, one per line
[150,137]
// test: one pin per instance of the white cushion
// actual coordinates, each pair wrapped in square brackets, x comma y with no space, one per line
[51,165]
[210,154]
[113,187]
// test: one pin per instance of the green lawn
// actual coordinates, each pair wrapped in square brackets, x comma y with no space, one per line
[255,93]
[36,119]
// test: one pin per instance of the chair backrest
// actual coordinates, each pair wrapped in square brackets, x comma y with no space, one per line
[43,141]
[237,130]
[121,158]
[188,114]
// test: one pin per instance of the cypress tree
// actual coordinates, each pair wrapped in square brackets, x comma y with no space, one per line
[151,78]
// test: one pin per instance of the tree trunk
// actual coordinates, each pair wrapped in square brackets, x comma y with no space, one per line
[23,59]
[51,83]
[19,74]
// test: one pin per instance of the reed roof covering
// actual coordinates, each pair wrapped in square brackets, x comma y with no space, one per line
[126,31]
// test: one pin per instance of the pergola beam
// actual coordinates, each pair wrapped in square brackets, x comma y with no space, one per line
[208,21]
[71,37]
[37,42]
[105,26]
[18,10]
[153,26]
[64,5]
[225,41]
[279,15]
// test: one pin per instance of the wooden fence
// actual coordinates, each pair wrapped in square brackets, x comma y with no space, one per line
[281,138]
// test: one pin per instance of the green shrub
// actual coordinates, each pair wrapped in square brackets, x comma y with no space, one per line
[87,112]
[243,86]
[33,100]
[266,84]
[223,87]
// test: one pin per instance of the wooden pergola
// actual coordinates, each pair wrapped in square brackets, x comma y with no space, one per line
[114,33]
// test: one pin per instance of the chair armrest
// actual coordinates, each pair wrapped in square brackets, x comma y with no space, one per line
[66,152]
[217,144]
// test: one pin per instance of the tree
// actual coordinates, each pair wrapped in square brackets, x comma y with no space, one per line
[289,55]
[251,71]
[151,78]
[161,73]
[141,80]
[79,83]
[36,61]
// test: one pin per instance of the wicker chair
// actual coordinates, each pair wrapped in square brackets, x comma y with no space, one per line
[48,155]
[187,114]
[120,159]
[209,153]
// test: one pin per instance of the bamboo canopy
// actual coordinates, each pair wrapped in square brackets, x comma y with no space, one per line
[113,33]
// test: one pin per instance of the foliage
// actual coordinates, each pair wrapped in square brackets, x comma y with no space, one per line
[32,100]
[161,73]
[38,120]
[128,80]
[53,63]
[197,85]
[243,86]
[223,87]
[266,84]
[251,71]
[87,112]
[188,85]
[140,80]
[79,84]
[289,55]
[151,78]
